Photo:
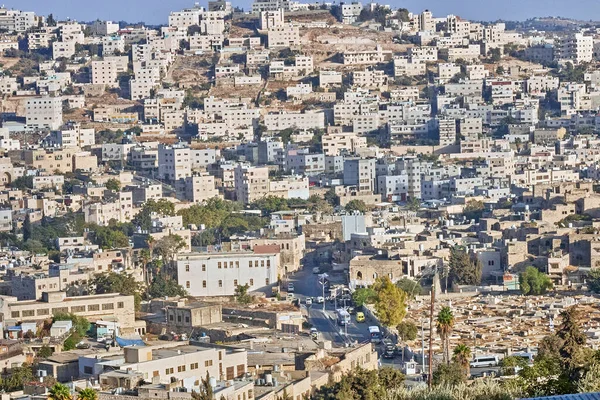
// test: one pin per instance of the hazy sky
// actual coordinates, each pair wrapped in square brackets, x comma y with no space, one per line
[157,11]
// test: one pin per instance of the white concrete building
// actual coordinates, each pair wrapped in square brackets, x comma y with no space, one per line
[44,112]
[219,274]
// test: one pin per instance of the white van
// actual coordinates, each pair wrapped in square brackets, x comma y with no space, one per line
[484,361]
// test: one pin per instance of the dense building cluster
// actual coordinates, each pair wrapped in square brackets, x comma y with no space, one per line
[163,188]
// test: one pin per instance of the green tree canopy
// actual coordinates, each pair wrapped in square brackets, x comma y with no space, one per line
[113,185]
[122,283]
[449,375]
[363,296]
[534,282]
[463,269]
[407,330]
[161,287]
[391,302]
[356,205]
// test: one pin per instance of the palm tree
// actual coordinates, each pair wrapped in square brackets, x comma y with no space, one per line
[59,392]
[462,356]
[87,394]
[444,324]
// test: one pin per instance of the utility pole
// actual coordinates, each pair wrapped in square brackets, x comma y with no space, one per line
[429,377]
[422,348]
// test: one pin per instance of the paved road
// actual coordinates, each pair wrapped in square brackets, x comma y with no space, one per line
[306,285]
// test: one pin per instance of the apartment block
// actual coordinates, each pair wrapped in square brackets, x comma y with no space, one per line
[283,36]
[104,73]
[251,183]
[44,112]
[301,121]
[219,274]
[174,162]
[118,208]
[62,50]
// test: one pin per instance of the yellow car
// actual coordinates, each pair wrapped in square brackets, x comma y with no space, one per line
[360,316]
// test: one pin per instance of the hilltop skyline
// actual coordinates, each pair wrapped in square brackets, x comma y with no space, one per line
[156,12]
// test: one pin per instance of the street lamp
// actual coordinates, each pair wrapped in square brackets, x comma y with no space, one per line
[322,278]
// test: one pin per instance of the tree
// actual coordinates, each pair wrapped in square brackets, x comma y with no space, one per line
[495,54]
[510,365]
[572,352]
[331,197]
[50,21]
[391,302]
[80,324]
[474,209]
[413,204]
[206,391]
[27,228]
[444,324]
[168,247]
[590,381]
[45,351]
[462,356]
[362,384]
[162,287]
[59,392]
[241,294]
[122,283]
[594,280]
[22,183]
[356,205]
[407,330]
[463,270]
[363,296]
[18,377]
[113,185]
[87,394]
[534,282]
[271,204]
[109,237]
[449,375]
[412,287]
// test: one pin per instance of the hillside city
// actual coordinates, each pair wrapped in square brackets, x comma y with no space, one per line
[299,201]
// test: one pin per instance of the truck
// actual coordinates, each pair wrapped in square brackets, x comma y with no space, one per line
[343,317]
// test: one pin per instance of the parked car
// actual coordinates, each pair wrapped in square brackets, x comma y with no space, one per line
[320,300]
[308,301]
[290,288]
[314,334]
[83,345]
[316,270]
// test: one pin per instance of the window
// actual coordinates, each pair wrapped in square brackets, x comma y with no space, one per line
[241,370]
[262,263]
[93,307]
[256,264]
[268,263]
[237,264]
[76,309]
[203,267]
[60,310]
[120,304]
[219,265]
[42,311]
[250,264]
[220,356]
[187,268]
[208,363]
[181,368]
[88,370]
[15,314]
[108,306]
[187,284]
[169,371]
[194,366]
[235,283]
[220,283]
[251,282]
[204,284]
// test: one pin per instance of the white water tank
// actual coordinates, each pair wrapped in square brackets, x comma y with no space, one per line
[268,379]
